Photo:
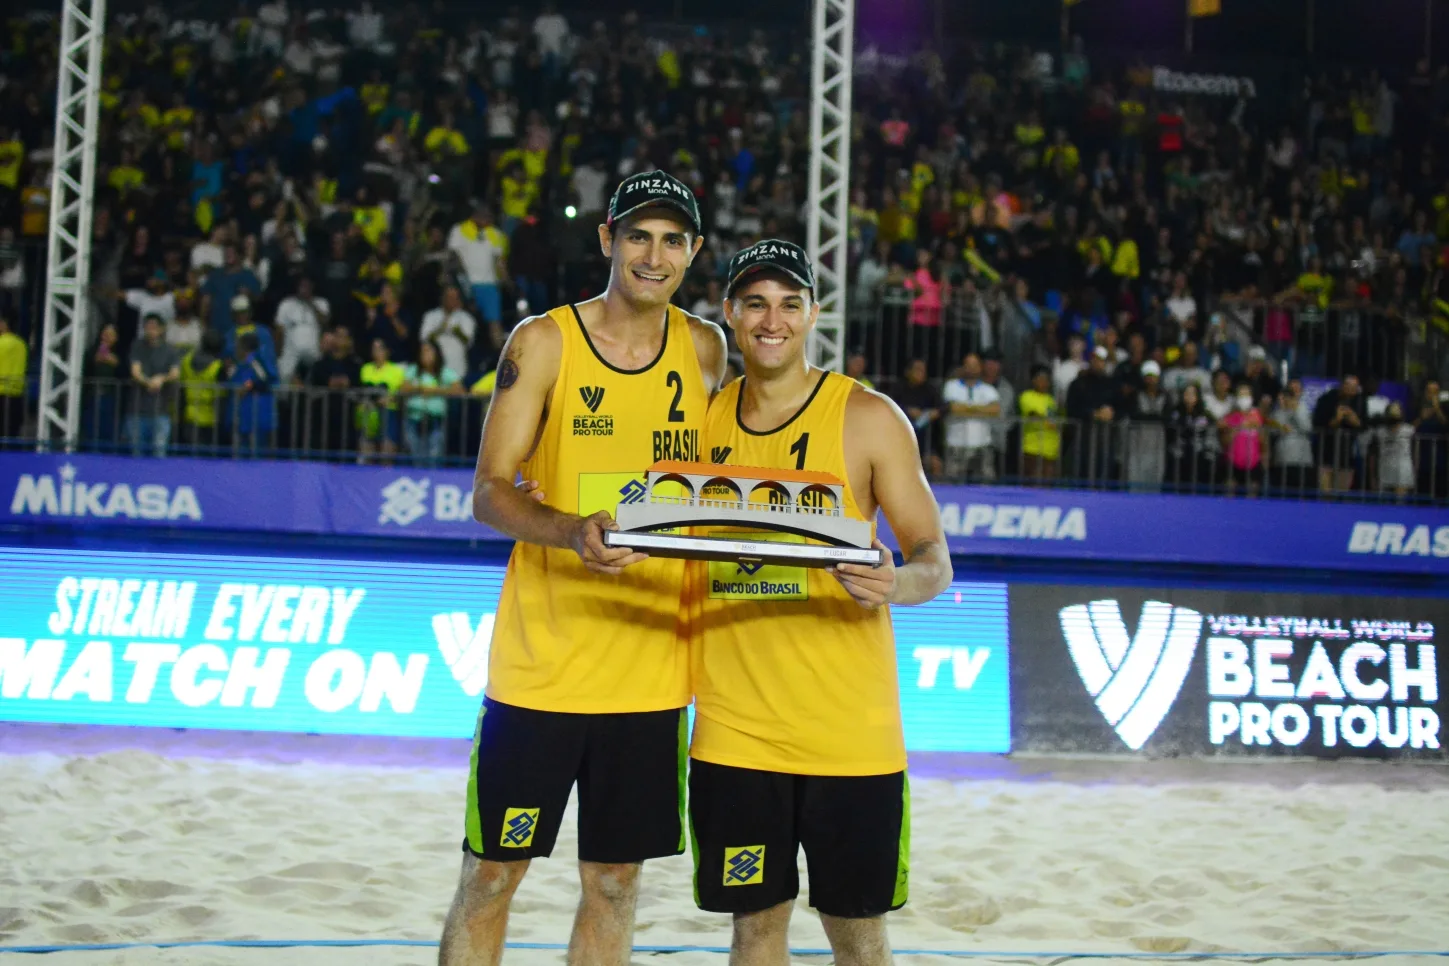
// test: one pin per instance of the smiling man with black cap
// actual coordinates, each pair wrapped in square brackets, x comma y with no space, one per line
[587,678]
[797,739]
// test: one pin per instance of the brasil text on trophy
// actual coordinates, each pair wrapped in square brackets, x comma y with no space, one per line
[787,503]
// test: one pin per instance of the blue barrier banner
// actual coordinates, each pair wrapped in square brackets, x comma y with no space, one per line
[374,501]
[365,647]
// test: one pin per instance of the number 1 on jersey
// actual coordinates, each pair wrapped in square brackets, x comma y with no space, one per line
[798,450]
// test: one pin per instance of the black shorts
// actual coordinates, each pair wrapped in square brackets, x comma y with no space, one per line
[629,768]
[747,827]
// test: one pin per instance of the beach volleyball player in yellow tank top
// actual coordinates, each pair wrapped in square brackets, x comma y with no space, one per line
[588,678]
[797,738]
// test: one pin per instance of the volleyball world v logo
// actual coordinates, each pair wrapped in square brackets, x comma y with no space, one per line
[464,647]
[1135,679]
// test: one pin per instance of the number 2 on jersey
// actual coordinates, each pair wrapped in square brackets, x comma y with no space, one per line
[672,381]
[798,450]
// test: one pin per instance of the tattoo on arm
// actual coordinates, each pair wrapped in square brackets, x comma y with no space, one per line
[507,373]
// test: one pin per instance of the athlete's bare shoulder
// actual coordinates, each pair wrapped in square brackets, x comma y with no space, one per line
[535,343]
[868,409]
[537,333]
[709,342]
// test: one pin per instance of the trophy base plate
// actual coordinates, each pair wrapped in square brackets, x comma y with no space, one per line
[764,551]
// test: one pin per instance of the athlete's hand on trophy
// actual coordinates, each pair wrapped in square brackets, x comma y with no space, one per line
[588,543]
[870,586]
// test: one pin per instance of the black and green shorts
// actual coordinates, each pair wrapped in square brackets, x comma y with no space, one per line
[748,826]
[629,767]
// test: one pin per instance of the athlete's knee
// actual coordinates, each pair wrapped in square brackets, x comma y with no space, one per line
[613,883]
[483,882]
[858,942]
[757,928]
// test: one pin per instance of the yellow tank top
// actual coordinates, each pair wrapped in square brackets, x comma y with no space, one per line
[790,674]
[565,639]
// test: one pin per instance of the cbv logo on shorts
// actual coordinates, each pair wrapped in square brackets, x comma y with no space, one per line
[744,865]
[518,827]
[1134,682]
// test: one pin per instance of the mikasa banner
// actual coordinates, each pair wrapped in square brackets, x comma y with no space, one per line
[1199,672]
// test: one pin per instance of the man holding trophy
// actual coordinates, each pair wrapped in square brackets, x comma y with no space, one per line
[798,738]
[587,677]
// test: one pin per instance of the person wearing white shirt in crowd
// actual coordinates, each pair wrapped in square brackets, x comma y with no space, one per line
[1065,371]
[272,19]
[364,27]
[209,254]
[154,299]
[301,319]
[970,402]
[1182,307]
[1188,371]
[552,32]
[482,249]
[451,328]
[1219,402]
[590,183]
[185,330]
[1108,339]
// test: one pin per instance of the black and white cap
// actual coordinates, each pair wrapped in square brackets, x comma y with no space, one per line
[654,188]
[772,253]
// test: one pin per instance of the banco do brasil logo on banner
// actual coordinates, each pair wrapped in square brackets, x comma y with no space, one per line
[1134,680]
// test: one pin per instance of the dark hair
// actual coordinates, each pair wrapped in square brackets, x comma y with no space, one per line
[248,342]
[437,369]
[212,342]
[1040,370]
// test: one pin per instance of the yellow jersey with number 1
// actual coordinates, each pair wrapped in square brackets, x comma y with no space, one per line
[565,639]
[790,673]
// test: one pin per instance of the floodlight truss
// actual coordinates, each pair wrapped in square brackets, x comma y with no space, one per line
[828,209]
[67,288]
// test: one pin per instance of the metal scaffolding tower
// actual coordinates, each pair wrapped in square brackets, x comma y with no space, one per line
[831,56]
[67,289]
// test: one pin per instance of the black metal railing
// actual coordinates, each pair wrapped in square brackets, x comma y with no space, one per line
[1278,457]
[364,425]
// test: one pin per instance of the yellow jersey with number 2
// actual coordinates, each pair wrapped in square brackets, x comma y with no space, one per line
[790,673]
[565,639]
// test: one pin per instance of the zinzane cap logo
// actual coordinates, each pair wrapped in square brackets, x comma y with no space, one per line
[775,253]
[1134,682]
[654,188]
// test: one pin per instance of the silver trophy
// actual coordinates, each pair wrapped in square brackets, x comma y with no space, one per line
[713,495]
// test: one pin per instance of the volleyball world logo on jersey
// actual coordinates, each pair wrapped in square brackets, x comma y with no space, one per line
[1134,680]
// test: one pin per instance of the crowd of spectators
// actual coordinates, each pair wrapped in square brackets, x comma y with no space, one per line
[365,201]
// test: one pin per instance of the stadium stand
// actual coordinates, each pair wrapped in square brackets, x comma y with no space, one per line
[1063,273]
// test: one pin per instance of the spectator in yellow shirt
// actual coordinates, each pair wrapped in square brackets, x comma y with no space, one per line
[176,122]
[1063,158]
[12,152]
[1041,436]
[1315,285]
[126,177]
[375,93]
[445,142]
[519,194]
[371,217]
[13,356]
